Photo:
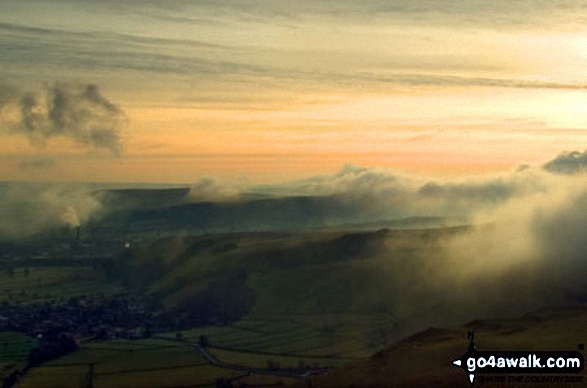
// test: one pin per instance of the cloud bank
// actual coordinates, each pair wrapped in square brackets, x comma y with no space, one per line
[568,163]
[524,248]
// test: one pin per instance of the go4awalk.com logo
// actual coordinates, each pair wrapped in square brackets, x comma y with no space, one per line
[515,363]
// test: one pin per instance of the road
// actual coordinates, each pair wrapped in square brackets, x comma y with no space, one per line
[292,373]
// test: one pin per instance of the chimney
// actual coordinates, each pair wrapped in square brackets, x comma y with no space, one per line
[75,244]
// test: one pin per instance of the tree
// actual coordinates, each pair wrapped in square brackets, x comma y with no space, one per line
[301,365]
[204,342]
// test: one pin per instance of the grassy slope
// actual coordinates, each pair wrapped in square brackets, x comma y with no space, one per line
[424,359]
[334,287]
[331,272]
[321,299]
[52,283]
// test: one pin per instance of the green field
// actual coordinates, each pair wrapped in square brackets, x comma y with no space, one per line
[330,340]
[145,363]
[53,283]
[14,349]
[121,363]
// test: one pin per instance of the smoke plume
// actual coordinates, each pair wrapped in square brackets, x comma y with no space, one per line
[81,114]
[28,209]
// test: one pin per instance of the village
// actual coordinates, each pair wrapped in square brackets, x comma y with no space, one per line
[85,317]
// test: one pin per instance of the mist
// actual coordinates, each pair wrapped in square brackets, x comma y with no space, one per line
[355,195]
[526,253]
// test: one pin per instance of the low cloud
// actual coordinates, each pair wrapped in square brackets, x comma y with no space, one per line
[568,163]
[396,194]
[209,190]
[524,253]
[524,248]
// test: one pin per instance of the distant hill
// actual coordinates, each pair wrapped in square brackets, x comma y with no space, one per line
[169,211]
[141,198]
[221,277]
[225,276]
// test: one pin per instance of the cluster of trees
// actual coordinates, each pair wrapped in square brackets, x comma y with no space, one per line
[50,348]
[11,272]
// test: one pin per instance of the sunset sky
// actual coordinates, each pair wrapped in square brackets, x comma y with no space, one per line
[268,91]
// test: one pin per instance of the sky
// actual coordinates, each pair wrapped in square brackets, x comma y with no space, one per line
[266,91]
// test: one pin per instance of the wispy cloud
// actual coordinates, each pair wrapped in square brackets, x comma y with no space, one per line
[37,163]
[35,48]
[495,14]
